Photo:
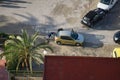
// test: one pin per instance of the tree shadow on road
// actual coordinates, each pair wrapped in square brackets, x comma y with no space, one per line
[31,24]
[12,25]
[12,3]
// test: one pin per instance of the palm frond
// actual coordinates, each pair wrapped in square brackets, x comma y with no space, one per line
[39,56]
[30,63]
[25,50]
[25,37]
[34,37]
[14,43]
[19,61]
[37,60]
[41,46]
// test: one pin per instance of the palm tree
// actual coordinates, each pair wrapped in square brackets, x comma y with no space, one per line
[22,50]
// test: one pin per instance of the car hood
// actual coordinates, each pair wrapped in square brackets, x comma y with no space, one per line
[80,38]
[103,6]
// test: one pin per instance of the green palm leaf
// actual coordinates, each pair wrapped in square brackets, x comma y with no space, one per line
[23,49]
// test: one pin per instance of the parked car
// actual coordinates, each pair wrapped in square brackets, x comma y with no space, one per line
[93,16]
[116,37]
[69,37]
[106,4]
[116,53]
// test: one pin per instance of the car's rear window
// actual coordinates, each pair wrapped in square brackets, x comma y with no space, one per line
[90,14]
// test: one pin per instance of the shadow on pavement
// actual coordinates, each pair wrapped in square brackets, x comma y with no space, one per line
[12,3]
[93,41]
[32,24]
[111,21]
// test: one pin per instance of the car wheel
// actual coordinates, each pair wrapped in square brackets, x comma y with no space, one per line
[78,44]
[58,42]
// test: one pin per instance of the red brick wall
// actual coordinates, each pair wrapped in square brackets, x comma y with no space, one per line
[81,68]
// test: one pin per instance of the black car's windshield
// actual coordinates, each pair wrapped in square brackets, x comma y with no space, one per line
[90,15]
[74,35]
[105,1]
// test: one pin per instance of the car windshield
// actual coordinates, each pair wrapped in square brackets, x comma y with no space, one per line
[74,35]
[105,1]
[90,15]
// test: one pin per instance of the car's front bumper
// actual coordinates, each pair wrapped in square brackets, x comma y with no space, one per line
[86,23]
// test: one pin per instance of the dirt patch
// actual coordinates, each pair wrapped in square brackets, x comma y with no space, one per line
[93,4]
[71,11]
[62,9]
[72,20]
[74,7]
[67,50]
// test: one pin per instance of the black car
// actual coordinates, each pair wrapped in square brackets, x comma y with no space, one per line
[93,16]
[116,37]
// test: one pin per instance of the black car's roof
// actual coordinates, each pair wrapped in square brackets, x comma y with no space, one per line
[90,14]
[94,12]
